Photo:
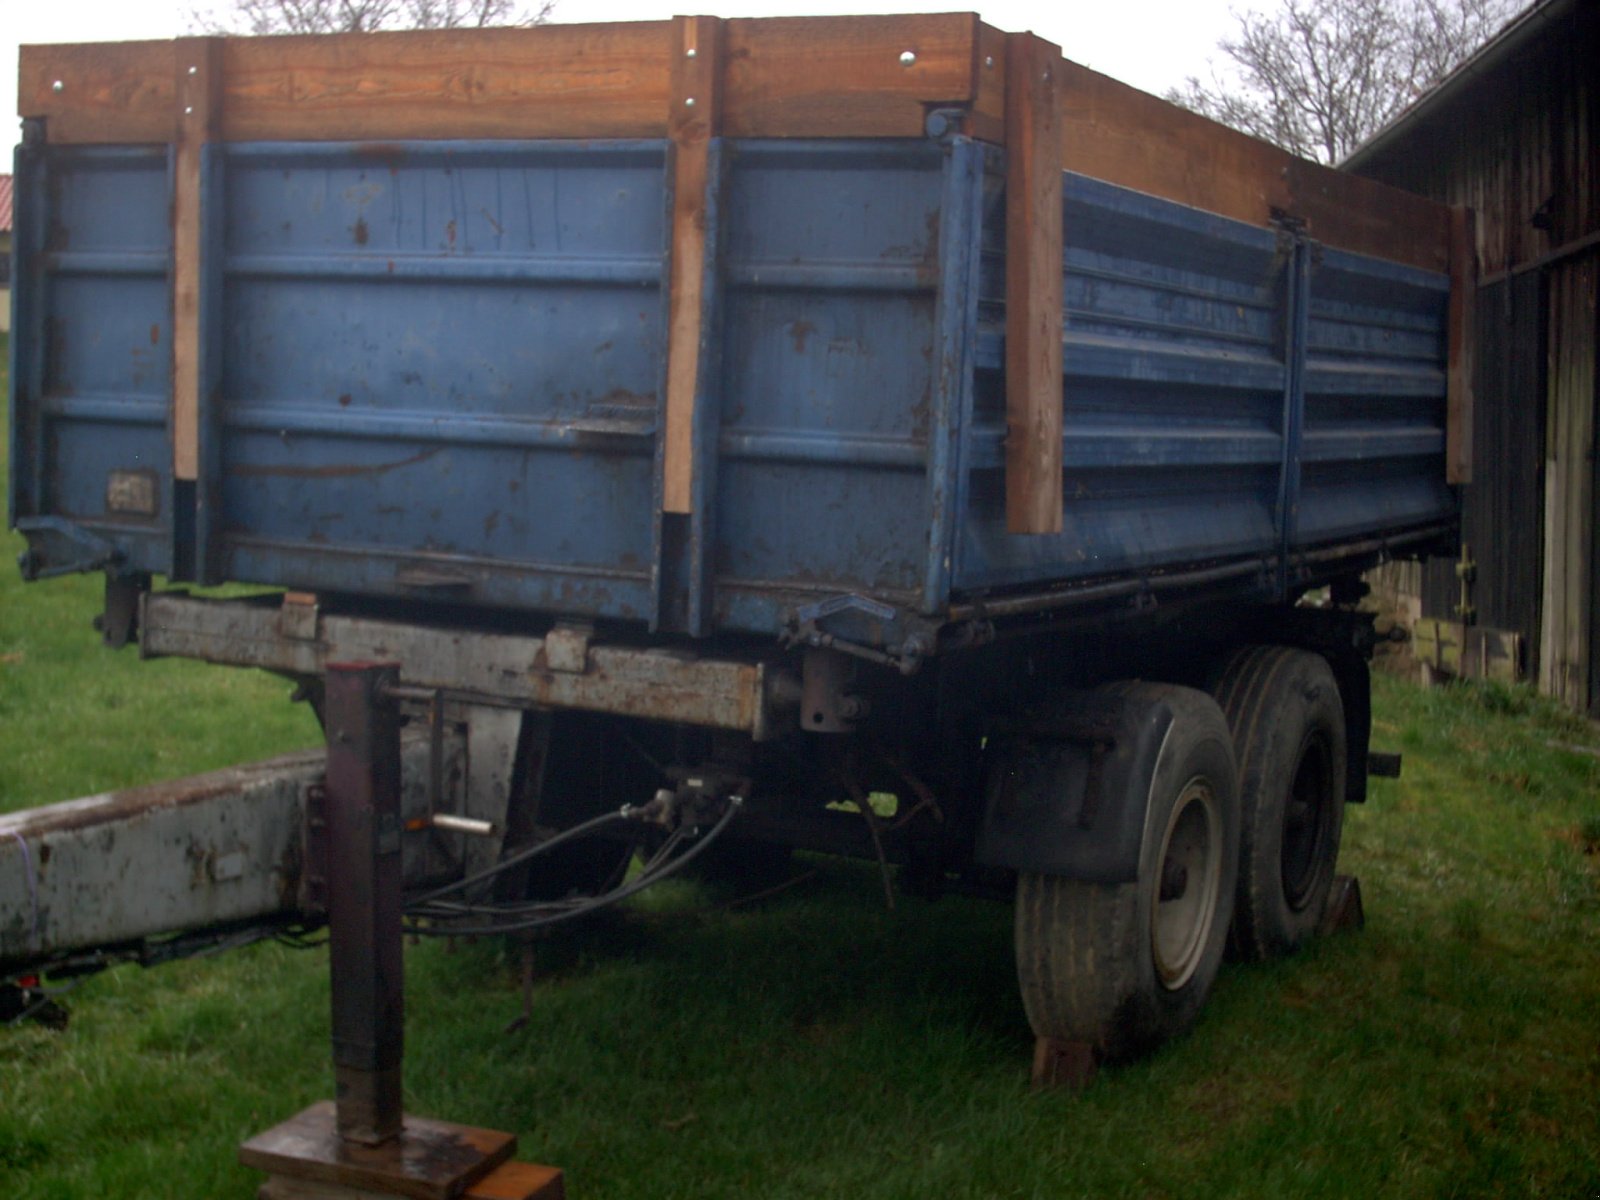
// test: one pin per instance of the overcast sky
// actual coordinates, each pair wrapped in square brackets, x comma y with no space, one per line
[1152,44]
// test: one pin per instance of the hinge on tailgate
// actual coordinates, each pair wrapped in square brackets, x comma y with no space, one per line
[856,625]
[59,547]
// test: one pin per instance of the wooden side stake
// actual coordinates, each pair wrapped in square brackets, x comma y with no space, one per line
[196,121]
[1463,295]
[1033,285]
[692,122]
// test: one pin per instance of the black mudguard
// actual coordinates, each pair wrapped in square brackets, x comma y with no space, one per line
[1068,789]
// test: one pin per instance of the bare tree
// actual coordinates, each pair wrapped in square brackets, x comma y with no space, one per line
[366,16]
[1319,77]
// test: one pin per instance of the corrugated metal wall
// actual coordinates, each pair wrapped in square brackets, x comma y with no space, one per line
[1518,145]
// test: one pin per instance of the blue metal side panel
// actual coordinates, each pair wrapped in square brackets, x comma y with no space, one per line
[829,379]
[1375,399]
[434,370]
[1174,393]
[440,370]
[26,249]
[961,240]
[92,350]
[209,515]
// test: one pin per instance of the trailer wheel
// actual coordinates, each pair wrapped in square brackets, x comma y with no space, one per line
[1125,967]
[1288,727]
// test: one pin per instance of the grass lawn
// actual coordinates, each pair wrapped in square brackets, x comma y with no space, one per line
[820,1046]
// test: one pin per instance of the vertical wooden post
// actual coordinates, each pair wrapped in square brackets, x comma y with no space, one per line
[692,122]
[1458,388]
[198,66]
[1033,285]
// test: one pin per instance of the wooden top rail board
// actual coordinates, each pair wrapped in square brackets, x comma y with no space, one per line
[869,76]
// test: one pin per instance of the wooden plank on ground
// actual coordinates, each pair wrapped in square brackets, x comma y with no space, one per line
[693,122]
[1033,286]
[197,77]
[844,76]
[1453,649]
[520,1181]
[1458,448]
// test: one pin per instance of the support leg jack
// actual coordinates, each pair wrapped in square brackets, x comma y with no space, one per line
[364,1146]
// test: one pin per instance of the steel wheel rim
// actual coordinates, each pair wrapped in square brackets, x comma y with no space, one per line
[1307,822]
[1188,875]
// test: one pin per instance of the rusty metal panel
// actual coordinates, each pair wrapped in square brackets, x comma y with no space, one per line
[652,683]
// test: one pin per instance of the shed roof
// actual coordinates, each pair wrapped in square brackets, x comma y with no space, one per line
[1521,31]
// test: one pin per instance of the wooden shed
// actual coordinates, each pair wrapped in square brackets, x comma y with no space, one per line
[1512,134]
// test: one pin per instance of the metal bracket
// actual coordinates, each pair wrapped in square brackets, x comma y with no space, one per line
[119,622]
[298,617]
[58,547]
[566,647]
[856,625]
[1467,574]
[942,124]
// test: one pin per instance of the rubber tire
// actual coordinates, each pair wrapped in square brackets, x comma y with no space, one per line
[1085,962]
[1280,702]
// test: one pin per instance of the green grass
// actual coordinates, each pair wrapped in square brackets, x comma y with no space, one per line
[820,1046]
[76,718]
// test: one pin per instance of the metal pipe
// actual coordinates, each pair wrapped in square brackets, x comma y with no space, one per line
[451,823]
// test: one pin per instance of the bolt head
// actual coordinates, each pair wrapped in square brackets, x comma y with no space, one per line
[188,110]
[58,87]
[689,102]
[908,58]
[194,70]
[690,53]
[988,62]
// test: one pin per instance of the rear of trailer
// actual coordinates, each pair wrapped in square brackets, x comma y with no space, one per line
[719,417]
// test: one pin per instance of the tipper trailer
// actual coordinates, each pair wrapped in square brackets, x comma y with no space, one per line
[706,422]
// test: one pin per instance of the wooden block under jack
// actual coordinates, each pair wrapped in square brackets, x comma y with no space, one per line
[508,1181]
[1344,910]
[1058,1064]
[519,1181]
[431,1160]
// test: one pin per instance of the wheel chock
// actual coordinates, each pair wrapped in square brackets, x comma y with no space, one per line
[1059,1064]
[1344,910]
